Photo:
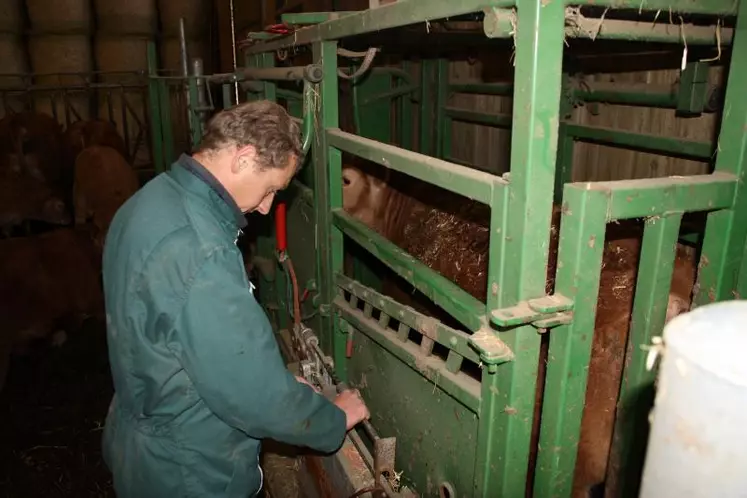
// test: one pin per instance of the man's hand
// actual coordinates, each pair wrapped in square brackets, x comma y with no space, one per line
[304,381]
[355,409]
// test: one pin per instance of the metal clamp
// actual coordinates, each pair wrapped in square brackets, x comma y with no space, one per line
[544,312]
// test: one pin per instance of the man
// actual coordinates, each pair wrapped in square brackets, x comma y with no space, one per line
[198,376]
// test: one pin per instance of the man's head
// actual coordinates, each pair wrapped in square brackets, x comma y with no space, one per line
[253,149]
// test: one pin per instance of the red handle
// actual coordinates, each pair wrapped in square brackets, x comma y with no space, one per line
[280,227]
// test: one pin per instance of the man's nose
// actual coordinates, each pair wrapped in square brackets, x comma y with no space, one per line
[266,204]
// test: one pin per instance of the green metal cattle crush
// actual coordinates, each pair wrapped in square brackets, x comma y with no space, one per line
[471,435]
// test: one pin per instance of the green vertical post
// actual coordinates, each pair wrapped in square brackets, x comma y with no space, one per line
[195,132]
[507,406]
[405,115]
[726,230]
[167,133]
[580,254]
[327,196]
[564,164]
[637,391]
[427,109]
[227,92]
[269,89]
[443,122]
[159,162]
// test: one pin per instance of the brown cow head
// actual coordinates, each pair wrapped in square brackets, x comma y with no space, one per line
[365,192]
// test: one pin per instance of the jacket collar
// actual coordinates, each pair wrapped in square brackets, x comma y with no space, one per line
[193,176]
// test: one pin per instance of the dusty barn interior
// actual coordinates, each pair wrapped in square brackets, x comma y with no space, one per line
[501,206]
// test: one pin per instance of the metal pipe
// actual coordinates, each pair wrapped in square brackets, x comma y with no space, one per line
[197,70]
[183,48]
[697,445]
[309,97]
[185,71]
[233,48]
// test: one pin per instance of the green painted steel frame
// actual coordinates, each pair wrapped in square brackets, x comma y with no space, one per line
[520,224]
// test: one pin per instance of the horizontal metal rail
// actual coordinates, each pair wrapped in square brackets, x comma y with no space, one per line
[713,7]
[482,118]
[394,15]
[676,147]
[499,23]
[442,291]
[656,96]
[475,185]
[658,196]
[504,89]
[458,385]
[452,339]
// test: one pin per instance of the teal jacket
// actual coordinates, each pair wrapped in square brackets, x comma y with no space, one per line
[198,375]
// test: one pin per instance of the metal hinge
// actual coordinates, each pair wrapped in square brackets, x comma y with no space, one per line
[543,312]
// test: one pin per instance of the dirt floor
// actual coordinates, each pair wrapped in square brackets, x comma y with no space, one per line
[52,411]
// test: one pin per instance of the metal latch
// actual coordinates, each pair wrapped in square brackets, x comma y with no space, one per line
[543,312]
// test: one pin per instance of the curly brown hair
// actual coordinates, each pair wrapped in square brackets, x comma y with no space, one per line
[263,124]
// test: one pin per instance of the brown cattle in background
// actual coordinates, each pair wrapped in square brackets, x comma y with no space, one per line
[450,234]
[33,142]
[23,198]
[86,133]
[48,283]
[104,180]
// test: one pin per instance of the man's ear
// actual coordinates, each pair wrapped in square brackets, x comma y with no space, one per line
[245,157]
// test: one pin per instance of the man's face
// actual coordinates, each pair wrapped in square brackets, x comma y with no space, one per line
[256,187]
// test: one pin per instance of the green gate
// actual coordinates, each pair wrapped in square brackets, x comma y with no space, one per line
[460,433]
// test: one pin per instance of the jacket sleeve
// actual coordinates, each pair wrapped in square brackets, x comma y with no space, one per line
[229,351]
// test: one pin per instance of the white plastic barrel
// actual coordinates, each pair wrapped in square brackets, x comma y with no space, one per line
[698,442]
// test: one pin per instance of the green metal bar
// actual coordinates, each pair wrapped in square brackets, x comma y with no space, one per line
[637,391]
[309,101]
[504,89]
[395,93]
[227,93]
[328,196]
[167,133]
[659,196]
[459,386]
[482,118]
[269,89]
[633,95]
[394,15]
[472,184]
[714,7]
[499,23]
[442,122]
[724,240]
[582,234]
[289,94]
[564,161]
[442,291]
[159,161]
[194,117]
[506,412]
[454,340]
[304,192]
[405,116]
[671,146]
[313,17]
[427,111]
